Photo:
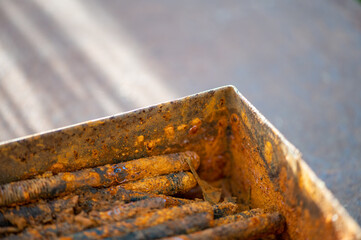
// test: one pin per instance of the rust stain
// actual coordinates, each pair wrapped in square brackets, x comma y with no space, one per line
[169,132]
[182,127]
[268,152]
[140,138]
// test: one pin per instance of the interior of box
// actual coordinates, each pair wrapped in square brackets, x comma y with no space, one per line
[239,152]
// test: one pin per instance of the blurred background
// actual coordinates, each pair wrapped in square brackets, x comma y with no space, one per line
[298,62]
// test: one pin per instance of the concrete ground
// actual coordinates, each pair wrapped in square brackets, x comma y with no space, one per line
[63,62]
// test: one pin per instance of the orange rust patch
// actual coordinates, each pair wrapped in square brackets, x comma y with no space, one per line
[57,167]
[268,152]
[94,178]
[140,138]
[149,145]
[245,119]
[95,153]
[169,132]
[215,159]
[255,182]
[196,121]
[68,177]
[182,127]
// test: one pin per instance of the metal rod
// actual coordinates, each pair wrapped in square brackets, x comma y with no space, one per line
[124,211]
[224,209]
[99,199]
[167,184]
[86,201]
[237,217]
[81,222]
[103,176]
[188,224]
[152,219]
[255,227]
[36,213]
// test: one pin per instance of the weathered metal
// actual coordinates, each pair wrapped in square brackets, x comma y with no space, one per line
[36,213]
[103,176]
[99,199]
[167,184]
[154,218]
[253,228]
[95,218]
[237,146]
[120,212]
[186,225]
[237,217]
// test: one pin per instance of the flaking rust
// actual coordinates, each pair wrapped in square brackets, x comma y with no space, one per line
[167,184]
[98,199]
[103,205]
[36,213]
[120,212]
[103,176]
[95,218]
[154,218]
[186,225]
[256,227]
[237,217]
[95,201]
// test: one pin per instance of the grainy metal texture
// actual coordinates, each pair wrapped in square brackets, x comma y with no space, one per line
[237,217]
[188,224]
[105,176]
[39,212]
[233,140]
[123,211]
[92,199]
[147,132]
[256,227]
[70,225]
[155,218]
[167,184]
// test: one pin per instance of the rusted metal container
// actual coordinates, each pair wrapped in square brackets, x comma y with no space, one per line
[237,146]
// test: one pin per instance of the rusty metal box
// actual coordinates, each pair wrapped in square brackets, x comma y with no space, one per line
[235,142]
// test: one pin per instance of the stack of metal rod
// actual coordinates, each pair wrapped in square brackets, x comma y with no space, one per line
[130,200]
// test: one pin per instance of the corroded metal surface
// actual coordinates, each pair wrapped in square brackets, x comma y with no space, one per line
[254,228]
[238,148]
[161,129]
[70,225]
[237,217]
[155,218]
[104,176]
[185,225]
[36,213]
[167,184]
[268,171]
[95,199]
